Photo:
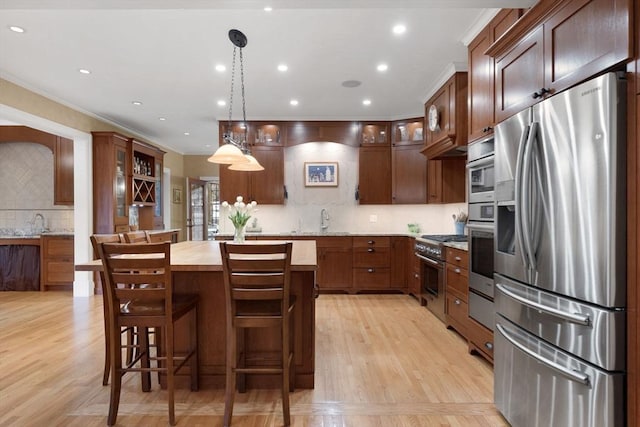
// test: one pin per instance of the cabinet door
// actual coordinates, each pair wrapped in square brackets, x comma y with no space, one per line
[480,86]
[121,184]
[234,184]
[334,268]
[519,75]
[399,262]
[446,180]
[63,184]
[409,170]
[267,186]
[584,38]
[341,132]
[374,183]
[376,133]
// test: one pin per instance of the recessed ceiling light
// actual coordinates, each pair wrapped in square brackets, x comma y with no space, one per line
[16,29]
[220,68]
[162,119]
[222,103]
[84,71]
[136,102]
[399,29]
[382,67]
[187,134]
[268,8]
[366,102]
[293,102]
[283,67]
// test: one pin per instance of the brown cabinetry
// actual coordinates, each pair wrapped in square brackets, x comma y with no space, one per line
[414,275]
[556,45]
[125,172]
[399,261]
[371,263]
[335,272]
[457,290]
[56,261]
[446,180]
[480,339]
[374,175]
[446,119]
[267,186]
[318,131]
[408,166]
[481,74]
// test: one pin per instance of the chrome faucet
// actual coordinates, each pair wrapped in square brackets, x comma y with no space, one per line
[324,220]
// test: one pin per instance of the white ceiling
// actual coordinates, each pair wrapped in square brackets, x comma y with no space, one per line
[163,53]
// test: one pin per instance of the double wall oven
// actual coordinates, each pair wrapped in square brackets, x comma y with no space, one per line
[481,231]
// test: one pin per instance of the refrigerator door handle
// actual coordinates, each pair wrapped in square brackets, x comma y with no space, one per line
[572,375]
[518,193]
[578,318]
[526,201]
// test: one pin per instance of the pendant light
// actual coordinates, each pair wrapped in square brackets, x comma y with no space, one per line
[236,151]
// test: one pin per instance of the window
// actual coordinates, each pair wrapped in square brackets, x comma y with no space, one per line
[213,221]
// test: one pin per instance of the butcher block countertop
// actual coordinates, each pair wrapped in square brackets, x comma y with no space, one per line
[205,256]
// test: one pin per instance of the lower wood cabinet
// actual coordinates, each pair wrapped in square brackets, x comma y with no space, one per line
[480,339]
[334,263]
[414,275]
[56,261]
[457,290]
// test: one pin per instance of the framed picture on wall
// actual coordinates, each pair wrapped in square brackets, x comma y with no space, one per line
[321,174]
[177,195]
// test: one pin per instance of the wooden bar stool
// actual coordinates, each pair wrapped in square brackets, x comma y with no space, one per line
[257,281]
[135,237]
[128,267]
[159,236]
[96,241]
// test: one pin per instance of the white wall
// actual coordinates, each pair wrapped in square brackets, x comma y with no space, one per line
[301,211]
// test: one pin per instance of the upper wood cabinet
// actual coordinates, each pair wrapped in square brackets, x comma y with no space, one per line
[312,131]
[446,180]
[267,186]
[374,175]
[408,165]
[556,45]
[481,74]
[62,149]
[374,133]
[446,119]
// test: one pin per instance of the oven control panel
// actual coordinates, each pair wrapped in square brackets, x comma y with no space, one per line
[428,250]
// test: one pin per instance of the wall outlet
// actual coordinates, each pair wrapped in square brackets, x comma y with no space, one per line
[373,218]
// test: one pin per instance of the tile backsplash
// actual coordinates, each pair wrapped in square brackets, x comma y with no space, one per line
[26,188]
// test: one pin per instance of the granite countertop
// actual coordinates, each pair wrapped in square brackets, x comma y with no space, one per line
[35,236]
[322,234]
[463,246]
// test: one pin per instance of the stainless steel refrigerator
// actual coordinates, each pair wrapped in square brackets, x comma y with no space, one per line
[559,345]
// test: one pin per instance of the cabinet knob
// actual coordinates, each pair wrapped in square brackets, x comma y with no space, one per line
[542,92]
[458,258]
[457,270]
[457,302]
[370,270]
[371,242]
[416,276]
[489,345]
[371,250]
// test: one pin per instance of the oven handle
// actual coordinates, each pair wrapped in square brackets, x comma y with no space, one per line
[429,260]
[567,373]
[578,318]
[482,227]
[480,162]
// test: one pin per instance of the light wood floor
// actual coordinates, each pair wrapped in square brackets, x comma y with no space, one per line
[381,360]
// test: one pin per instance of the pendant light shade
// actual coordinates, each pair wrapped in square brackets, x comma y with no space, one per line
[228,154]
[235,150]
[251,165]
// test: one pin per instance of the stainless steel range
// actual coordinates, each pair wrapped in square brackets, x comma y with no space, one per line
[430,250]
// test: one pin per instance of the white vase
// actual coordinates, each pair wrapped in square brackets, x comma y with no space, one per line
[238,235]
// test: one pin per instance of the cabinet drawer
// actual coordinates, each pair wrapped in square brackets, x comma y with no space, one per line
[371,241]
[458,257]
[458,279]
[457,312]
[371,278]
[57,247]
[370,257]
[481,338]
[59,272]
[332,242]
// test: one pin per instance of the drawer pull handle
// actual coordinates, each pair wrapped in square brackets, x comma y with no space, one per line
[371,242]
[488,345]
[416,276]
[371,250]
[458,258]
[457,270]
[457,302]
[370,270]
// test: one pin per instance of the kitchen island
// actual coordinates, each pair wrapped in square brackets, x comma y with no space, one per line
[197,268]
